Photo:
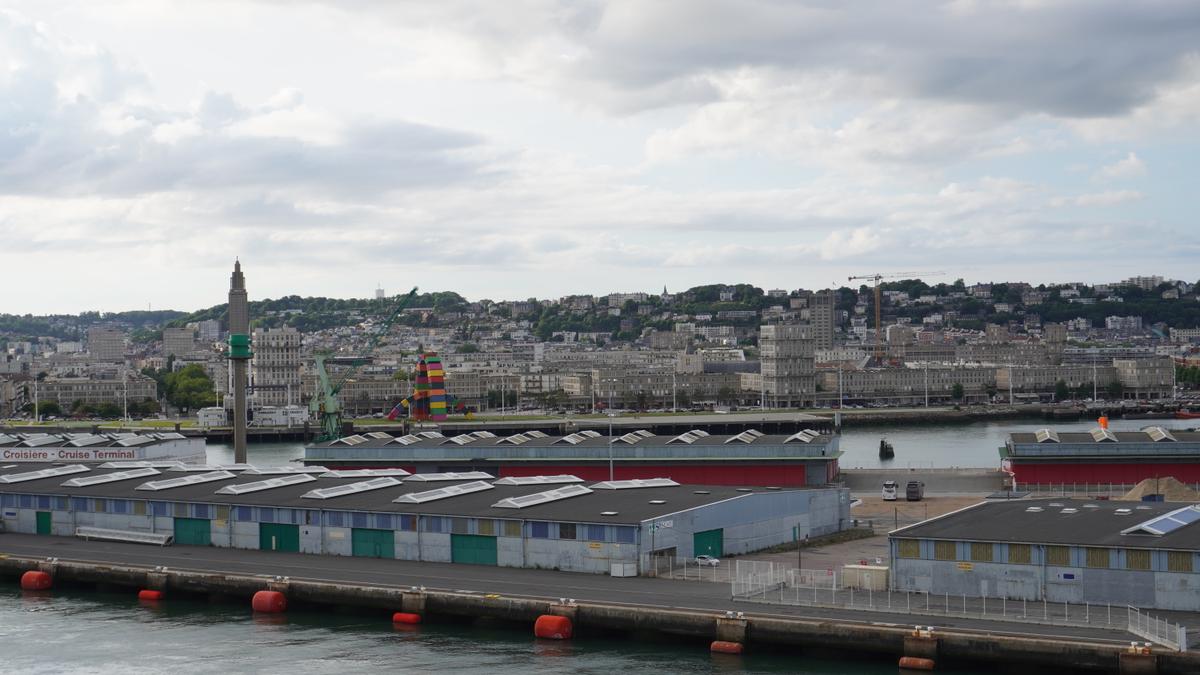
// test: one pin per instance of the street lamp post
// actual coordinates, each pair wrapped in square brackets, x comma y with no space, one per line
[610,442]
[674,404]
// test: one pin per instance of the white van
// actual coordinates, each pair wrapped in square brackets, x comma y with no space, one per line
[889,490]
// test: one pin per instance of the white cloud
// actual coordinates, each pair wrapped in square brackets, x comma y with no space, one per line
[1130,166]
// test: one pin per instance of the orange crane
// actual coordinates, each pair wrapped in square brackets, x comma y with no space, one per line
[876,278]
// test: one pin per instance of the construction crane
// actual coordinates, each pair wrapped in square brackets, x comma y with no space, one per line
[878,319]
[325,404]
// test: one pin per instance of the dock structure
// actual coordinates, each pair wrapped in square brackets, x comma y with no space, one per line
[696,611]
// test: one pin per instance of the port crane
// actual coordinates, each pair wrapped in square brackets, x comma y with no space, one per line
[876,278]
[325,404]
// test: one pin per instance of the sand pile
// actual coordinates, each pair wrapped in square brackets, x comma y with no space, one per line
[1171,489]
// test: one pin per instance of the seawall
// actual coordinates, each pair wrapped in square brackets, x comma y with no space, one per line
[953,647]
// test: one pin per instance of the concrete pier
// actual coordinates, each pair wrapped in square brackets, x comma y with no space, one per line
[955,647]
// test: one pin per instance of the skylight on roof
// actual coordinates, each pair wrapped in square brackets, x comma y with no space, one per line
[351,440]
[442,493]
[84,481]
[747,436]
[515,439]
[191,479]
[380,435]
[39,440]
[1157,434]
[352,488]
[539,480]
[805,436]
[634,436]
[1166,523]
[448,475]
[364,473]
[1103,435]
[84,440]
[429,434]
[536,498]
[483,434]
[282,470]
[463,439]
[1046,436]
[689,437]
[634,483]
[578,437]
[44,473]
[268,484]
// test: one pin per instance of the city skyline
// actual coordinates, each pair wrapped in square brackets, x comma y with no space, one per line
[488,149]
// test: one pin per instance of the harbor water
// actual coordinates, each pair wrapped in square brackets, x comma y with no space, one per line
[101,633]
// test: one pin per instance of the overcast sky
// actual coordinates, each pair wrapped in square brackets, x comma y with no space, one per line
[539,148]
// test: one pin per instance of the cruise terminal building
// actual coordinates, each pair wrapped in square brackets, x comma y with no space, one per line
[545,522]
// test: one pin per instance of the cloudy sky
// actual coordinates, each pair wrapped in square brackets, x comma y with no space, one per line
[540,148]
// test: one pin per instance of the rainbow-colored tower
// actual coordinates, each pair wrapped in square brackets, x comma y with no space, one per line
[429,400]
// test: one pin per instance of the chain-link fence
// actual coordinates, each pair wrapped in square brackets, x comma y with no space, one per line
[688,569]
[1157,630]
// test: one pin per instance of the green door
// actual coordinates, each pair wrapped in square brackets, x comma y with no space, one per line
[473,549]
[372,543]
[279,537]
[193,531]
[709,542]
[43,522]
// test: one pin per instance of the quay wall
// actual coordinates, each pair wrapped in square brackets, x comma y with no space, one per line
[952,646]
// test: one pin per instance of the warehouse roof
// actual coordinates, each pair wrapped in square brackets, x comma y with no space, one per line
[624,503]
[640,438]
[1078,522]
[1151,434]
[85,440]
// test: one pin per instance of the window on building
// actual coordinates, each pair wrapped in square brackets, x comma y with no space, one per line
[625,535]
[487,527]
[945,550]
[408,523]
[383,521]
[1058,555]
[595,533]
[1137,559]
[908,548]
[1020,554]
[1097,557]
[266,514]
[1179,561]
[8,500]
[181,510]
[162,509]
[566,531]
[460,526]
[26,501]
[43,502]
[512,528]
[433,524]
[119,506]
[243,513]
[358,519]
[139,508]
[77,504]
[982,551]
[201,511]
[334,519]
[539,530]
[100,506]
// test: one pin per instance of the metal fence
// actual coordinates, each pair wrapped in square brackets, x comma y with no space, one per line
[1155,629]
[1082,490]
[776,584]
[687,569]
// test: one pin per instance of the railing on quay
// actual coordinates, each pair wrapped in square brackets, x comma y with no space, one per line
[777,584]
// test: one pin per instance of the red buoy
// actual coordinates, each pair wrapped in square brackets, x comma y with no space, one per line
[36,580]
[146,594]
[406,617]
[915,663]
[553,627]
[271,602]
[726,647]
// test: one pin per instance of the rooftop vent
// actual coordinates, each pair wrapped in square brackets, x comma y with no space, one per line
[608,513]
[1034,509]
[1056,505]
[1157,434]
[1124,512]
[1069,509]
[1090,506]
[658,501]
[1101,435]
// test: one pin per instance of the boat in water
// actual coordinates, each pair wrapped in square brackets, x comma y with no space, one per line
[886,451]
[1187,415]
